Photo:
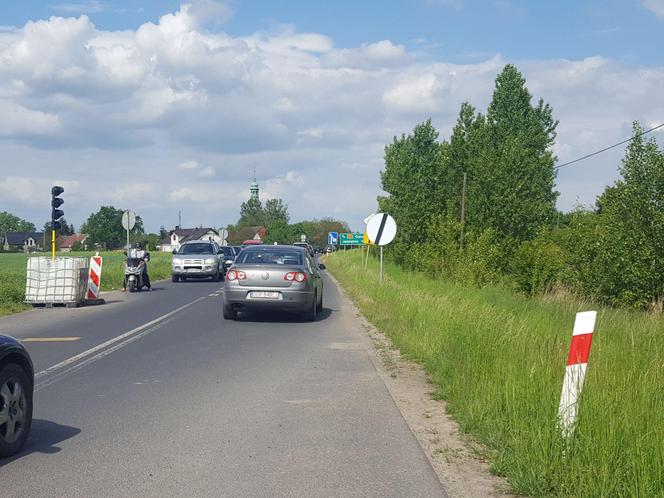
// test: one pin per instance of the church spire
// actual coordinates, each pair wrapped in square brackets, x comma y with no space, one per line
[254,187]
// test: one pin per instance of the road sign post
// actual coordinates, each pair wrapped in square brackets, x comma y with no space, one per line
[381,230]
[128,222]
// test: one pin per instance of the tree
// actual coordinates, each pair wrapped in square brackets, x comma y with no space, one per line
[275,211]
[251,213]
[412,178]
[12,223]
[163,233]
[512,175]
[105,227]
[66,229]
[627,266]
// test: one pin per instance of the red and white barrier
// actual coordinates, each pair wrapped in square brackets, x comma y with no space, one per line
[94,278]
[575,373]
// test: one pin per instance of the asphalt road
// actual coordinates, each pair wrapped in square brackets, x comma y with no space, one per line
[160,396]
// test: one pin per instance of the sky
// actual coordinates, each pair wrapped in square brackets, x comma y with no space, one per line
[161,106]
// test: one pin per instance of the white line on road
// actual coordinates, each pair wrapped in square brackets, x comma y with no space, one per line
[127,338]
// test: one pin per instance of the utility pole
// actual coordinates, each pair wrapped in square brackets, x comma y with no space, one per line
[463,209]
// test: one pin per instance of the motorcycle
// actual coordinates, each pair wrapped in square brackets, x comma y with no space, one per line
[134,268]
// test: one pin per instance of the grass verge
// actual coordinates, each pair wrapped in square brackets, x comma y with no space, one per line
[13,274]
[498,360]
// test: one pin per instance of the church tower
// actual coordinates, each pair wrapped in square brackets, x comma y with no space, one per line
[254,187]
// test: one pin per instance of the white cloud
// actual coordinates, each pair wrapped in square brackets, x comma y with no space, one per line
[655,6]
[207,172]
[188,165]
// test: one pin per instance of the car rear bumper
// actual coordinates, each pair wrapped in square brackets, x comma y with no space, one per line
[291,300]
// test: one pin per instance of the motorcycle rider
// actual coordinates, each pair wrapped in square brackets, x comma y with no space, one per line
[139,252]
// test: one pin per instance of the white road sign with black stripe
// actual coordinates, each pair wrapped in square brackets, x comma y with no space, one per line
[381,229]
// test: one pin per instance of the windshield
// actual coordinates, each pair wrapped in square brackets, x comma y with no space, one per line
[270,257]
[194,248]
[227,251]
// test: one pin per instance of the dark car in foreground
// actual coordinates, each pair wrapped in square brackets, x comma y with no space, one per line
[275,278]
[17,380]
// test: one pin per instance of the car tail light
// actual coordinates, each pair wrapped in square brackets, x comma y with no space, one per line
[236,275]
[298,276]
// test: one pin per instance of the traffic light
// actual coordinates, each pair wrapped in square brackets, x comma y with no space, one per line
[56,202]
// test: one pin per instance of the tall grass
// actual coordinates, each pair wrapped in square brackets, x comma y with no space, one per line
[13,275]
[498,360]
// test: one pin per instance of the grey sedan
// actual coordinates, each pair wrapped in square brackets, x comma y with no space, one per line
[273,277]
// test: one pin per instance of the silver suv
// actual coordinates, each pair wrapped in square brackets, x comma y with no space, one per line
[197,259]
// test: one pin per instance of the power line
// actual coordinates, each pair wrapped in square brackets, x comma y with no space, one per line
[607,148]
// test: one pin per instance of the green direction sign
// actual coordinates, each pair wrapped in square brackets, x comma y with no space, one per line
[351,239]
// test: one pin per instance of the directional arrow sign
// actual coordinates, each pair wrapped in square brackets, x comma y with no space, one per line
[381,229]
[332,238]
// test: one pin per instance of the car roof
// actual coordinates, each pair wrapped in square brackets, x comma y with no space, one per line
[270,247]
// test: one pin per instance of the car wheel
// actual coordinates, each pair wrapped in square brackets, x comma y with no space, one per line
[319,306]
[217,277]
[229,313]
[312,313]
[175,278]
[15,409]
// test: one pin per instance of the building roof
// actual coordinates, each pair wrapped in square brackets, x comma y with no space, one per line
[67,241]
[185,234]
[19,238]
[245,233]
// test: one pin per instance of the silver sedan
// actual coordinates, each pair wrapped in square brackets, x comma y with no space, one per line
[273,277]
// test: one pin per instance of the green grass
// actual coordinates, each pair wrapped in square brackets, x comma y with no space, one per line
[498,360]
[13,274]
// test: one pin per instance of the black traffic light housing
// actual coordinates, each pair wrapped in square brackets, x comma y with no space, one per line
[56,202]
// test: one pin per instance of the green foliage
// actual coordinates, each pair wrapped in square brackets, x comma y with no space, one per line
[275,211]
[251,214]
[105,228]
[539,264]
[12,223]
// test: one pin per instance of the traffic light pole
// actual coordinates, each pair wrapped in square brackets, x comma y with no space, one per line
[53,244]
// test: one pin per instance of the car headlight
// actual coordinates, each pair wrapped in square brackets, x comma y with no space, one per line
[209,261]
[177,261]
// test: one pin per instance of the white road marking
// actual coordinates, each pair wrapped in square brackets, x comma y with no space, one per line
[85,356]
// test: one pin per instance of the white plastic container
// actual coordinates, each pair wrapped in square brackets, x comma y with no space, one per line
[59,281]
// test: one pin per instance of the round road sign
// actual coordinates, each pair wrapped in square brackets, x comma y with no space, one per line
[128,219]
[381,229]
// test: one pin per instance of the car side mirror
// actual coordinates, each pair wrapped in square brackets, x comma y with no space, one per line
[174,251]
[321,266]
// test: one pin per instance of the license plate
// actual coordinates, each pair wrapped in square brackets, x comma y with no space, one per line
[192,270]
[264,295]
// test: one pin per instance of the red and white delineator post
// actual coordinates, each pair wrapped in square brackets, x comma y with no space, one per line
[575,373]
[94,278]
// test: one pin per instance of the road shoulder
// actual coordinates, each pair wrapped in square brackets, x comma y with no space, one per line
[454,459]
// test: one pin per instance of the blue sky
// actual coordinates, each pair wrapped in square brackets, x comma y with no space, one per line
[460,30]
[162,106]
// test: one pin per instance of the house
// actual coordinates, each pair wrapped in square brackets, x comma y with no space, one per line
[179,236]
[66,242]
[24,241]
[241,234]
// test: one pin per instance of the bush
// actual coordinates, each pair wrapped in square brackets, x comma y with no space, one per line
[539,264]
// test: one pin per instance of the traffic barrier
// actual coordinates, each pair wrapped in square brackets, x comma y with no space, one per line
[575,372]
[94,277]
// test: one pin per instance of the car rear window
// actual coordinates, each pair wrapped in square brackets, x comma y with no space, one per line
[201,248]
[227,251]
[270,257]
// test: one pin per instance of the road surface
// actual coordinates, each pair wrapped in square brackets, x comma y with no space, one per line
[160,396]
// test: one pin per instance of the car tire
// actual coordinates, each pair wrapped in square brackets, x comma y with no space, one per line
[311,314]
[319,306]
[175,278]
[229,313]
[11,376]
[217,276]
